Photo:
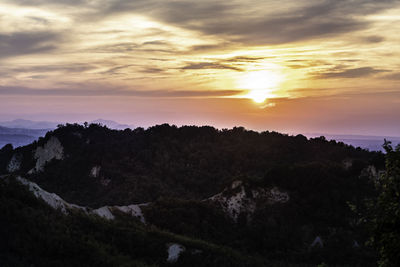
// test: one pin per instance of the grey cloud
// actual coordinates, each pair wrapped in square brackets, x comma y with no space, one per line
[152,70]
[349,73]
[105,91]
[68,68]
[48,2]
[239,21]
[349,60]
[128,47]
[233,22]
[38,76]
[393,76]
[116,69]
[303,63]
[308,63]
[246,59]
[22,43]
[156,42]
[373,39]
[232,63]
[39,20]
[116,48]
[41,71]
[209,65]
[297,66]
[203,48]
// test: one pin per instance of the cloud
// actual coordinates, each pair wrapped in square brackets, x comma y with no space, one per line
[349,73]
[246,59]
[209,65]
[152,70]
[240,22]
[303,63]
[373,39]
[206,48]
[22,43]
[392,76]
[67,68]
[99,90]
[249,22]
[156,42]
[49,2]
[38,71]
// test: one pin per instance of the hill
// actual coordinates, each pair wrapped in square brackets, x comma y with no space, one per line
[268,196]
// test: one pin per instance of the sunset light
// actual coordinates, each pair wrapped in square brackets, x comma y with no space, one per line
[324,63]
[260,84]
[199,133]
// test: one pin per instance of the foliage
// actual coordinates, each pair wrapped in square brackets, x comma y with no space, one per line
[385,215]
[166,161]
[33,234]
[176,169]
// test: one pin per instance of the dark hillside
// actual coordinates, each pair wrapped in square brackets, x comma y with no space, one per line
[188,162]
[33,234]
[266,194]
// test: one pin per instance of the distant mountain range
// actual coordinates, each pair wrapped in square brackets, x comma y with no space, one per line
[372,143]
[27,124]
[112,124]
[19,136]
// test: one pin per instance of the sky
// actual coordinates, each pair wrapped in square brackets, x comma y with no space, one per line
[326,66]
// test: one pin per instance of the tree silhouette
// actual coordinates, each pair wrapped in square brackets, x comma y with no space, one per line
[386,218]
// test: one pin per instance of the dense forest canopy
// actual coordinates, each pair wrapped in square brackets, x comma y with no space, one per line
[188,162]
[178,171]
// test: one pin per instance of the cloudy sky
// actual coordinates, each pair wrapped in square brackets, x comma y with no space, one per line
[330,66]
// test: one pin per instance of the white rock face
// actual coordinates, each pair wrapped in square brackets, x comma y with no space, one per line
[104,212]
[56,202]
[174,250]
[53,200]
[133,210]
[95,171]
[51,150]
[237,202]
[14,164]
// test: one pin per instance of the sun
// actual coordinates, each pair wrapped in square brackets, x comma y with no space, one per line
[258,96]
[260,84]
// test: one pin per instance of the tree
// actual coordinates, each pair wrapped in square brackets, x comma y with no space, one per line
[386,218]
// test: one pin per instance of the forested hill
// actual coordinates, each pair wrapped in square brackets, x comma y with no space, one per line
[267,195]
[100,166]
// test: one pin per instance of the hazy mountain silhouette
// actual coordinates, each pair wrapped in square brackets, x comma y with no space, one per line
[370,142]
[28,124]
[19,136]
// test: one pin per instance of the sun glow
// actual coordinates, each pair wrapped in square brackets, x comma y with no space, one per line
[260,84]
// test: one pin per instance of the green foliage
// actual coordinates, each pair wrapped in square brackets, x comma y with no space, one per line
[176,169]
[166,161]
[385,215]
[33,234]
